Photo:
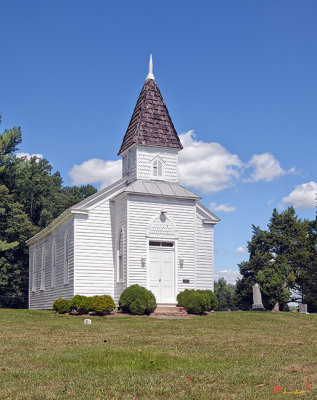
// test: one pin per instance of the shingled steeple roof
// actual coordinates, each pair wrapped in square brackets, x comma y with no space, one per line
[150,124]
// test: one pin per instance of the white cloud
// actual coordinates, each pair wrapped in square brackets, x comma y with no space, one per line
[206,166]
[303,196]
[230,275]
[266,168]
[222,207]
[240,250]
[28,156]
[96,171]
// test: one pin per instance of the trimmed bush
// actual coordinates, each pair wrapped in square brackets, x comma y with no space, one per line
[81,304]
[182,297]
[102,304]
[136,292]
[61,306]
[211,298]
[196,303]
[137,307]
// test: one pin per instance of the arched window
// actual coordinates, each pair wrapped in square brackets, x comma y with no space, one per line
[120,263]
[66,259]
[42,287]
[53,270]
[157,168]
[33,272]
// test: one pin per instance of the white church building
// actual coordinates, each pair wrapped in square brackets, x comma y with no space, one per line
[145,228]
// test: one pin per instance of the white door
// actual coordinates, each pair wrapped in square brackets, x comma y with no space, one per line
[162,273]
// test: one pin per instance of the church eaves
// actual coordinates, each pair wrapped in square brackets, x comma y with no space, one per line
[150,124]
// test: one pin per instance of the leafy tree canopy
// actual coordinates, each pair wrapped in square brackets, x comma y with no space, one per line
[277,259]
[225,294]
[31,196]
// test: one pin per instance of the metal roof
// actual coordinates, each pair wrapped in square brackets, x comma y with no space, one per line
[160,188]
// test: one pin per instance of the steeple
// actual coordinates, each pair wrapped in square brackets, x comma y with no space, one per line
[150,124]
[150,74]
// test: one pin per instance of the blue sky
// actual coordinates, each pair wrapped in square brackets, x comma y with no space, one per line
[238,77]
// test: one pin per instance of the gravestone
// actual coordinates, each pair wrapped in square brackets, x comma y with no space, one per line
[257,298]
[87,321]
[302,308]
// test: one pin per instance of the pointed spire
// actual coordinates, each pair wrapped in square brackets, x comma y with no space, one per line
[150,74]
[150,124]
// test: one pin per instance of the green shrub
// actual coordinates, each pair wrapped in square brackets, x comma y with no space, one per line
[134,292]
[81,304]
[211,299]
[61,306]
[196,303]
[102,304]
[137,307]
[183,296]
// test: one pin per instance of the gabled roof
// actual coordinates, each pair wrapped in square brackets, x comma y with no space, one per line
[210,216]
[150,124]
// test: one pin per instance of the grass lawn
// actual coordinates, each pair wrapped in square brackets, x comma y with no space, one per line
[234,355]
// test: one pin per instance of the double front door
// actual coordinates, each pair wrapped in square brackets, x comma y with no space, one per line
[162,271]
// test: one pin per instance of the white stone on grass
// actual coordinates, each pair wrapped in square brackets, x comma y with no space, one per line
[87,321]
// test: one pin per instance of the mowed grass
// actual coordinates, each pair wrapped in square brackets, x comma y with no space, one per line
[234,355]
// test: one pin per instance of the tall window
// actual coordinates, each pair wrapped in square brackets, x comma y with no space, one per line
[33,272]
[157,170]
[53,276]
[66,259]
[42,287]
[120,257]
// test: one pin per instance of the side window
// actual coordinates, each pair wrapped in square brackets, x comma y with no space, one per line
[33,271]
[66,259]
[53,270]
[42,287]
[157,168]
[120,263]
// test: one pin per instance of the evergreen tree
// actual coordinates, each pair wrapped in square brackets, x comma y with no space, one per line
[307,279]
[277,259]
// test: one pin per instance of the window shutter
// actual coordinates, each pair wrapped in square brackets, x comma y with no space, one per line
[120,257]
[159,169]
[53,270]
[42,287]
[33,273]
[66,260]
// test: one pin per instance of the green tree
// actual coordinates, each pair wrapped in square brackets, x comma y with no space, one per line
[277,257]
[31,196]
[8,146]
[15,229]
[225,294]
[40,191]
[34,186]
[74,194]
[307,279]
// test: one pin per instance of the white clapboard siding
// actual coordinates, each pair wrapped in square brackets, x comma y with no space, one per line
[43,299]
[94,241]
[94,256]
[129,164]
[142,210]
[146,154]
[119,209]
[204,253]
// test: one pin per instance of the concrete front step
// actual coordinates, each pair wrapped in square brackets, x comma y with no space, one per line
[169,310]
